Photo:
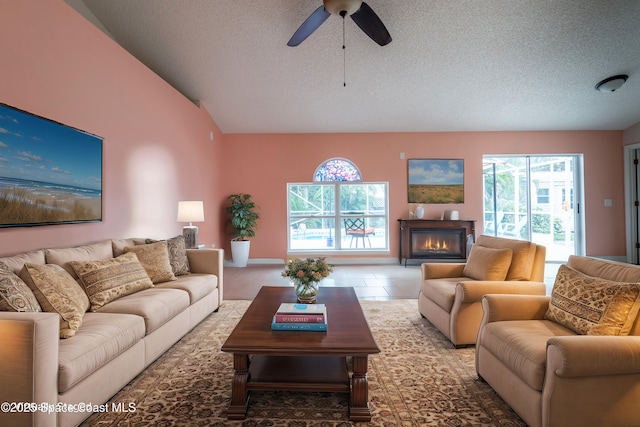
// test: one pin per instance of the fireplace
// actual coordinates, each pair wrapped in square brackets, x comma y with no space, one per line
[435,240]
[437,243]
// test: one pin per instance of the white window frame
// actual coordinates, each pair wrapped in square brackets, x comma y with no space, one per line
[340,247]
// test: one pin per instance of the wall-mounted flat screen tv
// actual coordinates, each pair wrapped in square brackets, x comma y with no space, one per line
[50,173]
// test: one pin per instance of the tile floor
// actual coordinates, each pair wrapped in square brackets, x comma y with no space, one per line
[371,282]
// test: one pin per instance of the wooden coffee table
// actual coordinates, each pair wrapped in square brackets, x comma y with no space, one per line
[299,360]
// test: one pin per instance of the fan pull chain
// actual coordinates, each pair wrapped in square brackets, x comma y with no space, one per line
[344,53]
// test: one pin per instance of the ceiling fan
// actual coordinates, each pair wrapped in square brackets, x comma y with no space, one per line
[359,11]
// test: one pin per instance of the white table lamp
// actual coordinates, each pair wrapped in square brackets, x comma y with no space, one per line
[191,211]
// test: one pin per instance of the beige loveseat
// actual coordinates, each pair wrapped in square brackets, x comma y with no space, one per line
[109,344]
[560,361]
[451,293]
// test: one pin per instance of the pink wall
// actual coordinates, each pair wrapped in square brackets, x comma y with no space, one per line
[263,164]
[157,148]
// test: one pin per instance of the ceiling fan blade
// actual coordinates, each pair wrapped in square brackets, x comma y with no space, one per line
[369,22]
[309,26]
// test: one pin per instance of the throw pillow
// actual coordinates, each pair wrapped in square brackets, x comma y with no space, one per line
[177,255]
[487,263]
[57,292]
[591,305]
[107,280]
[154,257]
[15,295]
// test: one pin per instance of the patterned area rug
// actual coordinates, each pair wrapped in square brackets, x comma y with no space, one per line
[419,379]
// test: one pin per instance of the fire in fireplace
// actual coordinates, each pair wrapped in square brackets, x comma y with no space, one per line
[438,243]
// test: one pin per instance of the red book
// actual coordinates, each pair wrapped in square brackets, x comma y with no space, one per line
[299,318]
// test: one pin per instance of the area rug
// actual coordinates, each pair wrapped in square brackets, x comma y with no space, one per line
[419,379]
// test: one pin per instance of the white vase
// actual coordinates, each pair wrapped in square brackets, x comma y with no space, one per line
[240,252]
[419,212]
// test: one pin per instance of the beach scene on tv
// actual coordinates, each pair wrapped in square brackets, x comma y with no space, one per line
[49,173]
[436,180]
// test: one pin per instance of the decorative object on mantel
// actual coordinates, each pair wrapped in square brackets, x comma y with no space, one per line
[306,274]
[190,211]
[450,215]
[420,212]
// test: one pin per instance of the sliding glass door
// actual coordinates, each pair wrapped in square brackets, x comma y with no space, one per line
[536,198]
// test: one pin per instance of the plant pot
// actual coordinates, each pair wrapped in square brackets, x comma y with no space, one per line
[240,252]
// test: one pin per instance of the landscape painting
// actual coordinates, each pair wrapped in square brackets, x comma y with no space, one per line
[436,180]
[49,173]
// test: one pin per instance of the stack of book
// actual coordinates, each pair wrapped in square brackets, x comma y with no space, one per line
[300,317]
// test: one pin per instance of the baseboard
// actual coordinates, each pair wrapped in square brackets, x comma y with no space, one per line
[334,261]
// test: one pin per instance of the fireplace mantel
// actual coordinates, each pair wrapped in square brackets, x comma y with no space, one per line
[414,228]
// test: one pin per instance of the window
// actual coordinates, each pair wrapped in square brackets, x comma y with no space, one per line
[543,196]
[337,170]
[337,212]
[536,198]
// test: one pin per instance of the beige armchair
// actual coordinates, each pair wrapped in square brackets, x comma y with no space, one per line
[451,293]
[564,360]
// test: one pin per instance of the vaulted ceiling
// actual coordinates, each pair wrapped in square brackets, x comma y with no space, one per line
[453,65]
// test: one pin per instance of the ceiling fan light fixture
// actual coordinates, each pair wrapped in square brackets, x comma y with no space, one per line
[342,7]
[611,84]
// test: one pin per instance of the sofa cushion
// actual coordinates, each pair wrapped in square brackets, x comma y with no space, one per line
[441,291]
[118,245]
[523,257]
[15,295]
[521,345]
[154,257]
[57,292]
[155,305]
[101,338]
[591,305]
[488,263]
[196,285]
[107,280]
[92,252]
[606,269]
[16,262]
[177,255]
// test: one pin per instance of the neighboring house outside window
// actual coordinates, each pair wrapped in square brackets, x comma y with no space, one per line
[359,223]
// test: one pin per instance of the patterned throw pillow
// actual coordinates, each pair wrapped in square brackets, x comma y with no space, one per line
[57,292]
[107,280]
[177,255]
[15,295]
[591,305]
[154,257]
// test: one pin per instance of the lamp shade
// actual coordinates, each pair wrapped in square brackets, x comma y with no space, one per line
[190,211]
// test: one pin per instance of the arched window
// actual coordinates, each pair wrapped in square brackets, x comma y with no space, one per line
[337,169]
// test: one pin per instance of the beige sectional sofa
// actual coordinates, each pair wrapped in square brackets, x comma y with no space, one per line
[572,358]
[450,296]
[109,344]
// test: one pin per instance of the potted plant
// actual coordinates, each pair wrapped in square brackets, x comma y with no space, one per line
[242,211]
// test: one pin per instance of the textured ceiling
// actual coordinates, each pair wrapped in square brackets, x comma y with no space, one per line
[453,65]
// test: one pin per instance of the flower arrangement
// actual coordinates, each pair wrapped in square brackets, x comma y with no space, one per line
[305,275]
[307,270]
